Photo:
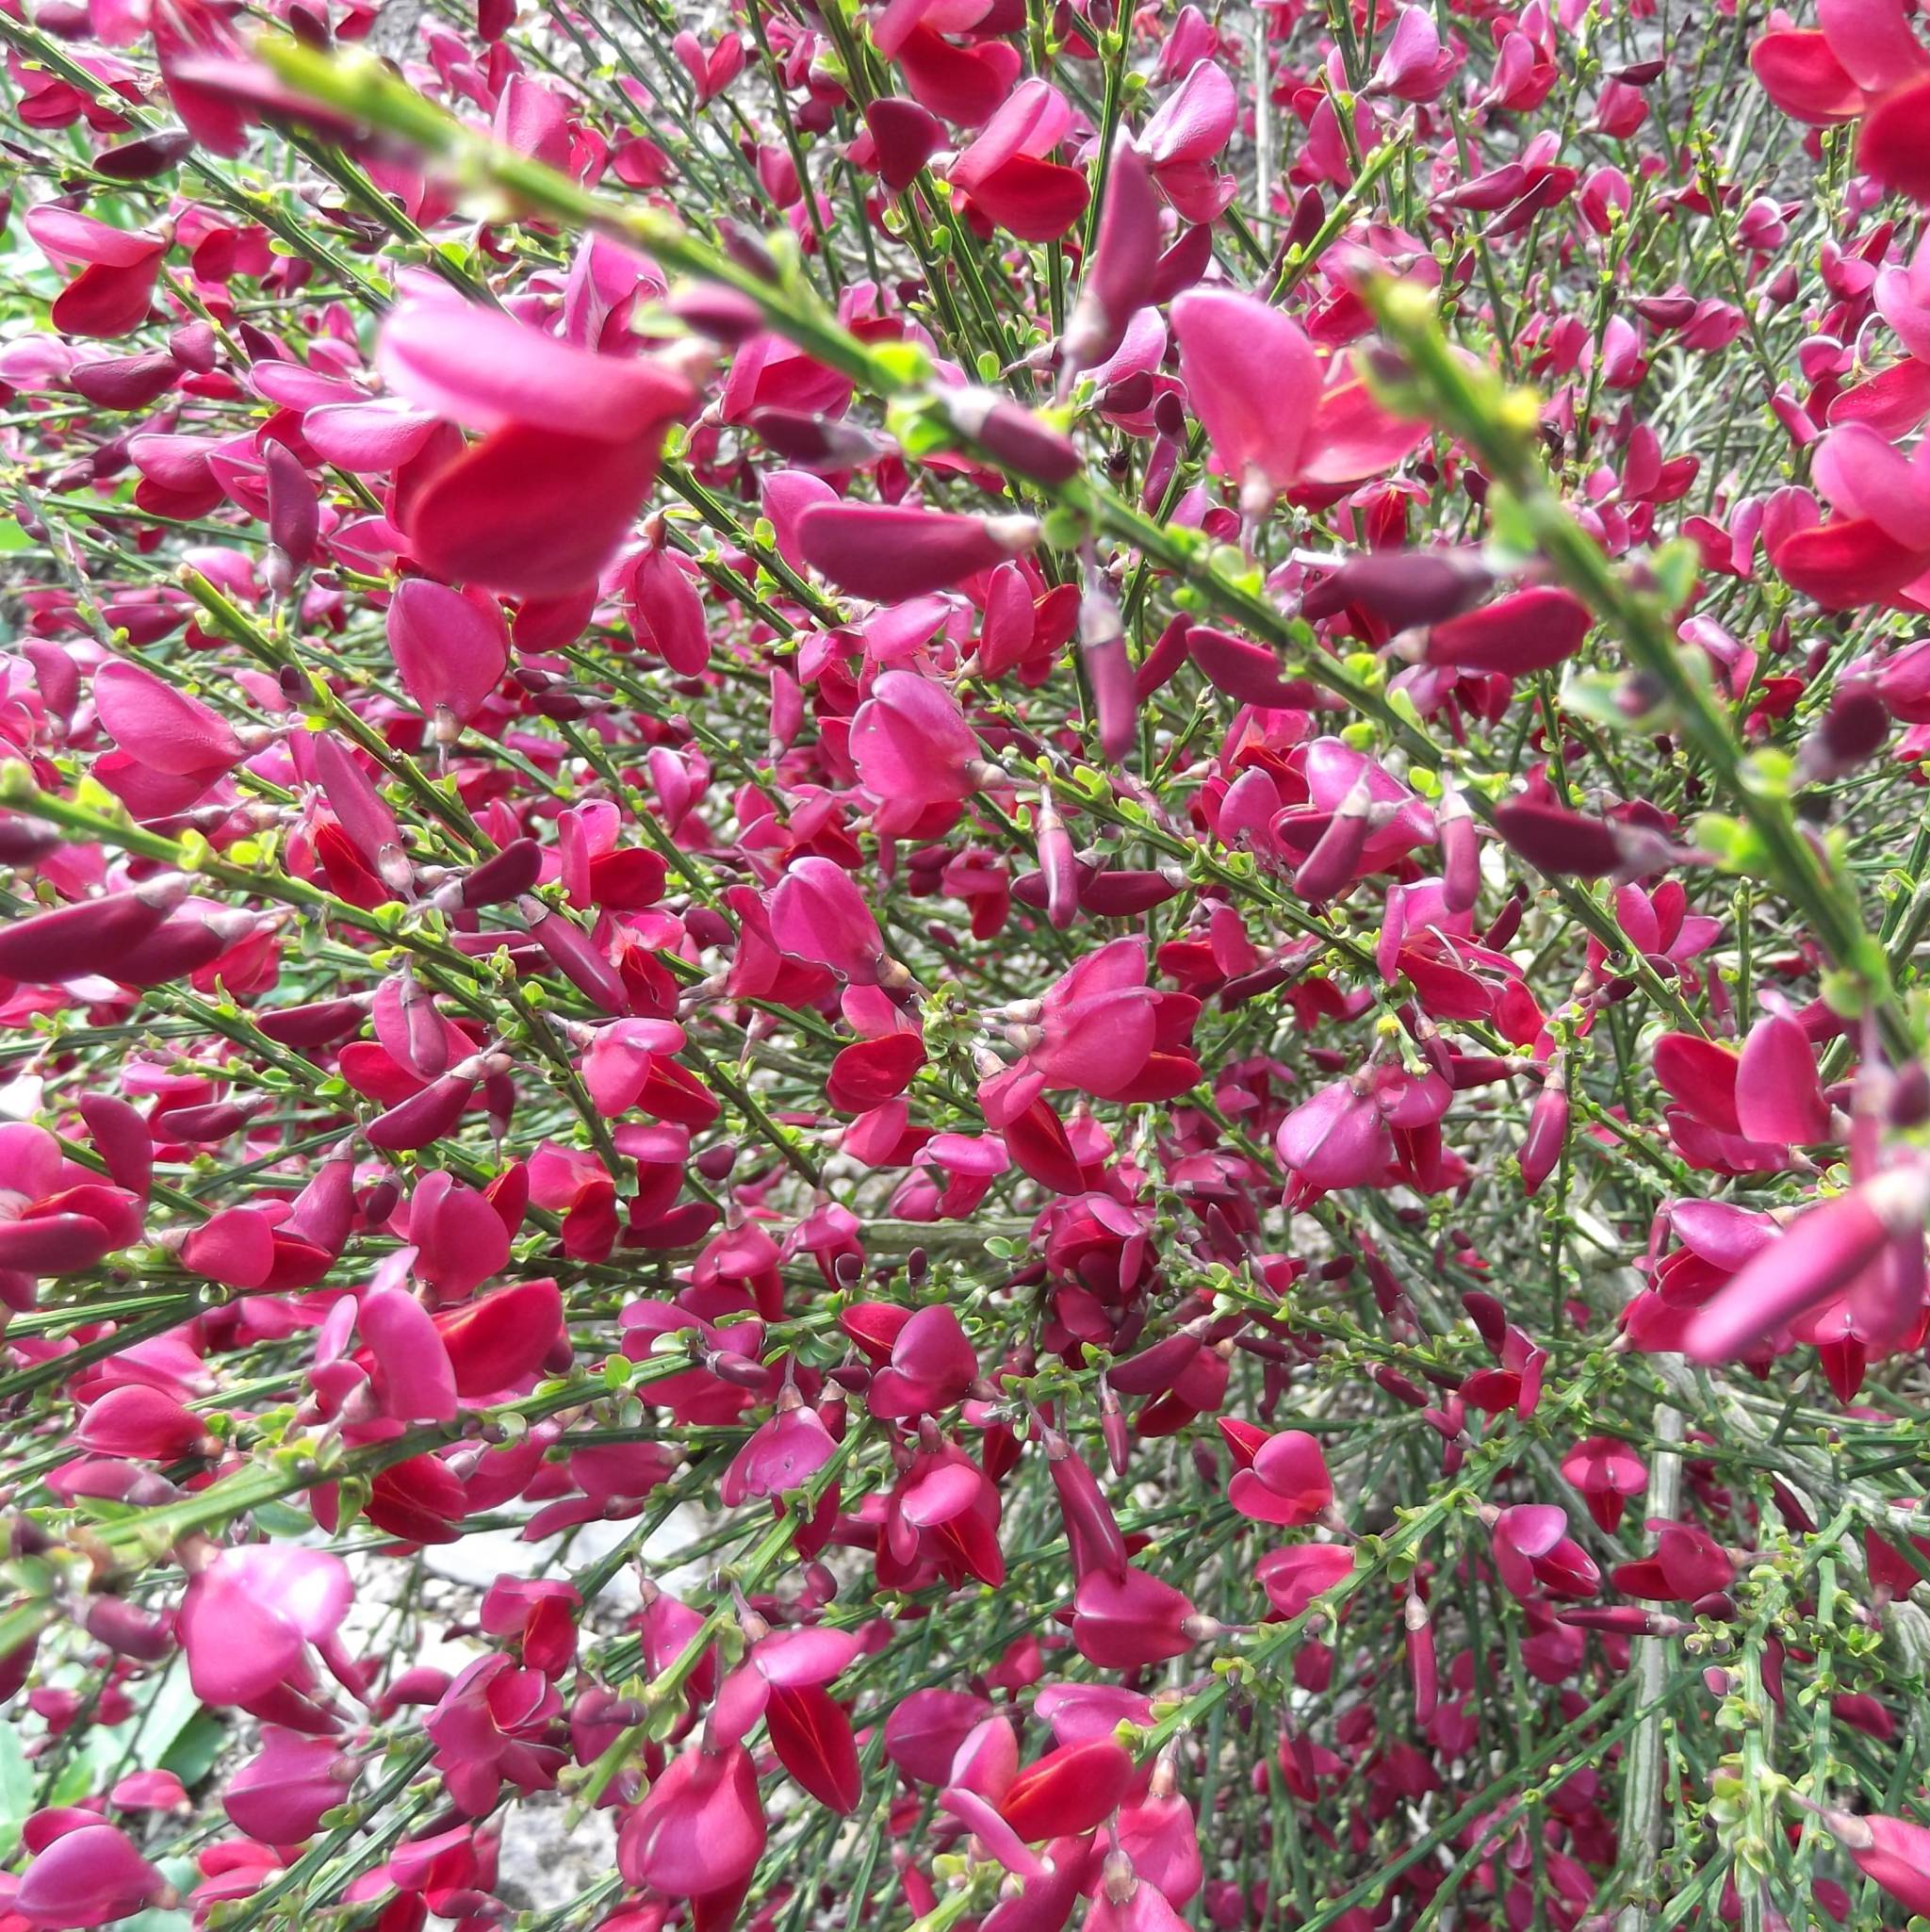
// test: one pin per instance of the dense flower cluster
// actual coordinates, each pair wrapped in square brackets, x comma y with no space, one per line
[1041,887]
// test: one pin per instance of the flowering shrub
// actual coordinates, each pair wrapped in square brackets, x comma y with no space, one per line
[1028,900]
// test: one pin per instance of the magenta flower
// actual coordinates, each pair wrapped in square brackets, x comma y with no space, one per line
[816,913]
[1185,137]
[1294,1578]
[451,651]
[699,1832]
[162,727]
[876,886]
[1532,631]
[1324,436]
[569,448]
[283,1791]
[941,1517]
[1283,1480]
[493,1725]
[1687,1566]
[913,747]
[902,137]
[1533,1552]
[1892,1851]
[1123,1621]
[56,1218]
[1005,172]
[89,1875]
[1819,1256]
[112,293]
[780,1455]
[1415,66]
[931,1366]
[886,554]
[248,1619]
[1125,258]
[1607,1473]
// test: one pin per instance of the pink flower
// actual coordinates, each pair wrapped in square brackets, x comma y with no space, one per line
[496,1723]
[108,936]
[1284,1480]
[281,1794]
[1186,136]
[816,913]
[779,1455]
[941,1517]
[114,290]
[1607,1473]
[1294,1578]
[161,726]
[451,651]
[1006,175]
[1547,1128]
[1532,1550]
[249,1618]
[1101,1029]
[54,1219]
[700,1830]
[931,1366]
[1127,1903]
[1688,1566]
[1821,1254]
[1415,65]
[1292,429]
[903,138]
[887,553]
[1123,1621]
[1341,1137]
[1118,282]
[1532,631]
[1067,1792]
[1892,1851]
[91,1875]
[569,451]
[912,748]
